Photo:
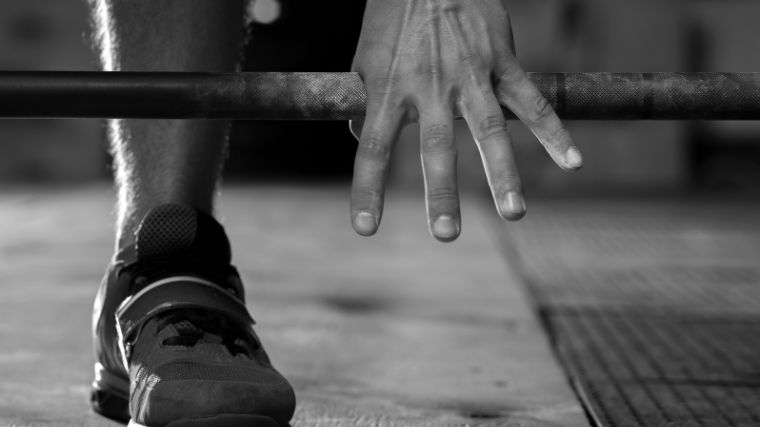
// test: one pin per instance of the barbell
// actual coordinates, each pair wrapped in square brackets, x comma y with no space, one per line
[341,96]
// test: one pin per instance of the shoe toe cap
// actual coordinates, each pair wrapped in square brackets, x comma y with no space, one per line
[165,399]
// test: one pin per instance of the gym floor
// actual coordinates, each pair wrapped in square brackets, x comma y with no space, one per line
[393,330]
[653,306]
[645,312]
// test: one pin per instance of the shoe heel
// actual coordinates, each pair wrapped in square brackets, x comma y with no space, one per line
[110,395]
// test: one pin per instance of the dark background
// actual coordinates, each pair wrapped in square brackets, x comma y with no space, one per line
[308,36]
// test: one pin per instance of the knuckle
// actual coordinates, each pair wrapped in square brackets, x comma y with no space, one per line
[511,74]
[475,64]
[443,195]
[470,59]
[560,134]
[511,80]
[494,126]
[428,71]
[438,138]
[374,146]
[477,77]
[382,85]
[540,110]
[367,196]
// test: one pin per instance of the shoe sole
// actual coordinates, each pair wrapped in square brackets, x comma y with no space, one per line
[220,421]
[110,395]
[110,398]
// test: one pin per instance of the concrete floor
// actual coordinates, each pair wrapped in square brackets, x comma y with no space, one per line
[393,330]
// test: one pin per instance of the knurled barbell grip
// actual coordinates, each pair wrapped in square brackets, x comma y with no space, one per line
[341,96]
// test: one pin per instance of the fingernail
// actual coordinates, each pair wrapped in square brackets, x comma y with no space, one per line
[573,158]
[365,223]
[513,207]
[445,227]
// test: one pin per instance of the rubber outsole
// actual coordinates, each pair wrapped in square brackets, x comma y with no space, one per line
[220,421]
[110,405]
[117,408]
[110,395]
[112,402]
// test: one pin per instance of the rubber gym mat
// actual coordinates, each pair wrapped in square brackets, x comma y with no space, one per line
[653,308]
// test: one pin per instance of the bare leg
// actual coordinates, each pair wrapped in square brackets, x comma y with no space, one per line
[175,364]
[163,161]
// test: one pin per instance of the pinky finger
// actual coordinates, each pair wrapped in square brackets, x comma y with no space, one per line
[515,90]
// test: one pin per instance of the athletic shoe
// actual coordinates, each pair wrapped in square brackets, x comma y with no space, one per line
[173,340]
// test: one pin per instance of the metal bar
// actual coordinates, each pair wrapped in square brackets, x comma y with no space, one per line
[341,96]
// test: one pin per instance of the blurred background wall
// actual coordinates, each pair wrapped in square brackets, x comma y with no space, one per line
[48,35]
[552,35]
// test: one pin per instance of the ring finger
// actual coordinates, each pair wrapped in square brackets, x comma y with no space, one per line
[483,114]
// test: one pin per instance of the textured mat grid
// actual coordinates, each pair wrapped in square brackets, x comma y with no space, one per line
[653,308]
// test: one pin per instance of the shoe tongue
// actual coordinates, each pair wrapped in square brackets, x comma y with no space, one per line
[175,229]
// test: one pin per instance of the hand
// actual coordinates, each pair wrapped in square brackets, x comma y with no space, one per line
[429,61]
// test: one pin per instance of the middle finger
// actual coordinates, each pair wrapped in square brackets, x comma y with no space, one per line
[439,164]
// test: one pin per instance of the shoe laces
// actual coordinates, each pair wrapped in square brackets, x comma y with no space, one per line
[194,326]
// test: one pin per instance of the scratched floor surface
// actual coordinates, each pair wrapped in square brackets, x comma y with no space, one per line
[393,330]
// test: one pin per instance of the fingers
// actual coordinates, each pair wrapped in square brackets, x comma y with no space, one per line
[379,133]
[482,112]
[515,90]
[439,162]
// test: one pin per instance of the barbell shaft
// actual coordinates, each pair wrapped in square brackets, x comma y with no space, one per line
[341,96]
